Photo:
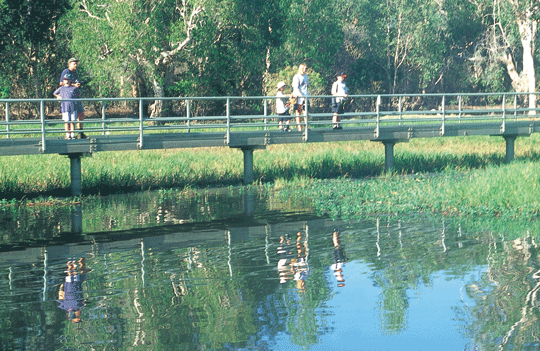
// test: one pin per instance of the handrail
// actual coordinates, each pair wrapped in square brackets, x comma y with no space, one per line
[366,111]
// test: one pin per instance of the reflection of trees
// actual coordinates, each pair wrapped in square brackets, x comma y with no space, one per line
[231,297]
[402,262]
[505,315]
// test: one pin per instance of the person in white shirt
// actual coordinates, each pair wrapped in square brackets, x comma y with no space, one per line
[282,109]
[300,85]
[339,93]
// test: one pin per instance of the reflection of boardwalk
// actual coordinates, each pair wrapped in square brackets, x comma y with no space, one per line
[172,240]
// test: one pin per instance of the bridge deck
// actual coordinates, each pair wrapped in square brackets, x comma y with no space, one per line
[257,138]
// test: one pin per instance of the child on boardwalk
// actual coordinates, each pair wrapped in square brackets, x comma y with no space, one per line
[68,108]
[282,109]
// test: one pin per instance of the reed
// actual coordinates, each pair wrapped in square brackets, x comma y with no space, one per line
[116,172]
[508,191]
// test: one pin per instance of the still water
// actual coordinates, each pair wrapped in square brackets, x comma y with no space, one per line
[232,270]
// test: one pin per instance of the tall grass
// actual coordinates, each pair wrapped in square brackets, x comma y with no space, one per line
[115,172]
[509,191]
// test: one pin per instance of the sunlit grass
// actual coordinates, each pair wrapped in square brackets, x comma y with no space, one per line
[297,165]
[508,191]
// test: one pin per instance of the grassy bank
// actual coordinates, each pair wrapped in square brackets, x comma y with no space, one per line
[508,191]
[106,173]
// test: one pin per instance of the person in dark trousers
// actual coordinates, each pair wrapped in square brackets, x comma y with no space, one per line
[339,93]
[73,64]
[68,108]
[282,108]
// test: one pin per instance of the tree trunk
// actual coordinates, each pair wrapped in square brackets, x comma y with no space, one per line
[527,30]
[34,73]
[156,109]
[528,26]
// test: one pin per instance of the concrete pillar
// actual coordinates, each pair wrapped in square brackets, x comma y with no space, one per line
[389,155]
[510,139]
[248,165]
[76,178]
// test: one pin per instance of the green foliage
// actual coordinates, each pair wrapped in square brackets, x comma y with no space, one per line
[5,87]
[244,48]
[317,84]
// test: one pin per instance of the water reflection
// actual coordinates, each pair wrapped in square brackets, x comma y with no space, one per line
[285,283]
[139,214]
[339,259]
[70,294]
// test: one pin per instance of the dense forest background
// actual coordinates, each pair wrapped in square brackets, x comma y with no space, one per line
[156,48]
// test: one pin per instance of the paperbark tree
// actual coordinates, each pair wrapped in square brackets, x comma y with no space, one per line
[512,30]
[127,39]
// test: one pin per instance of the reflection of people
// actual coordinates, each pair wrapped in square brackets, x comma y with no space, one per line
[339,259]
[286,254]
[68,108]
[339,93]
[73,63]
[282,109]
[300,85]
[300,264]
[70,296]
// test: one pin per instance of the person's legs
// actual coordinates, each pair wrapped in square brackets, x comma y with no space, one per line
[80,117]
[65,118]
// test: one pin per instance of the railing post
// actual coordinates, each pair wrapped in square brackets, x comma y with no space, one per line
[400,109]
[188,114]
[228,120]
[42,117]
[7,119]
[103,125]
[377,128]
[265,114]
[460,101]
[141,125]
[443,103]
[306,114]
[503,127]
[515,107]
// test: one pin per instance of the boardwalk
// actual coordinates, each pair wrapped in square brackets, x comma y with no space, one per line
[388,123]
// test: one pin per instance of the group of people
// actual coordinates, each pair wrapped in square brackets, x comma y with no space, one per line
[298,100]
[69,91]
[73,111]
[293,260]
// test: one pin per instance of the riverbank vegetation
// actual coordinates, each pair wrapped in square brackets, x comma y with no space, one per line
[448,175]
[240,48]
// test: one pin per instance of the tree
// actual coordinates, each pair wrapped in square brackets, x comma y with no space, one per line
[27,34]
[133,40]
[512,28]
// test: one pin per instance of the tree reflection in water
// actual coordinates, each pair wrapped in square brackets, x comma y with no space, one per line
[506,315]
[261,282]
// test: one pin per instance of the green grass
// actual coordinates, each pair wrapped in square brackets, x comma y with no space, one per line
[509,191]
[464,175]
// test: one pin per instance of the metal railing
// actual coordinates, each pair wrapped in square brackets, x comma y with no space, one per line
[233,114]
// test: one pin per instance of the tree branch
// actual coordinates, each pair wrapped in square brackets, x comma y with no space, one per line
[164,56]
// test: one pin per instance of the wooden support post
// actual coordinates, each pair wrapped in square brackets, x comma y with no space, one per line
[76,177]
[248,162]
[248,165]
[389,155]
[510,139]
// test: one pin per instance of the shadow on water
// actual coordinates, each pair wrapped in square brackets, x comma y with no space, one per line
[236,271]
[141,214]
